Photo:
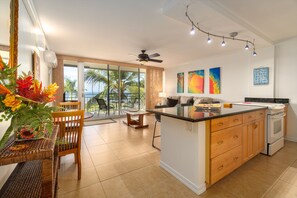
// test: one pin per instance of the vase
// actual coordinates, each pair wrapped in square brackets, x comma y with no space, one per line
[23,133]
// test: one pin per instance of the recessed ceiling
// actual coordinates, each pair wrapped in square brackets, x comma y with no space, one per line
[114,29]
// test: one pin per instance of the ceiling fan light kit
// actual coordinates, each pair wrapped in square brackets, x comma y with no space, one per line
[143,57]
[223,44]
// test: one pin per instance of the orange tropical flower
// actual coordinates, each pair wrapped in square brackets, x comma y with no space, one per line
[50,91]
[11,101]
[4,90]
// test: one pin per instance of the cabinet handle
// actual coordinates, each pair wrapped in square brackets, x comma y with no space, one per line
[221,167]
[235,120]
[235,158]
[235,136]
[220,124]
[220,142]
[255,126]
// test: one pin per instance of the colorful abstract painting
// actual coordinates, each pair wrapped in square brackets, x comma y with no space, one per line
[180,82]
[196,81]
[215,80]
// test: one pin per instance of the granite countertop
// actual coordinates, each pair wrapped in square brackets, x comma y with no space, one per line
[195,114]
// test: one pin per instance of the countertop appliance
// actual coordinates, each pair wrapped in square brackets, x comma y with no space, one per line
[274,135]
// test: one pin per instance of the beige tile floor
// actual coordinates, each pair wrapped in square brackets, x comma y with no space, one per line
[118,161]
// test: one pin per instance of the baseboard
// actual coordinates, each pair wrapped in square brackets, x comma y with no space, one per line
[197,189]
[292,139]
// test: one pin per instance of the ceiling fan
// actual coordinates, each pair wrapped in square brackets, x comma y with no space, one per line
[143,57]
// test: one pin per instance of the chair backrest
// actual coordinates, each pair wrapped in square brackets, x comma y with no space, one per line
[70,129]
[66,106]
[157,115]
[101,103]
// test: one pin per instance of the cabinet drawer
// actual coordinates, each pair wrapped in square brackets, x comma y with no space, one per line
[219,123]
[225,140]
[248,117]
[235,120]
[260,114]
[225,163]
[225,122]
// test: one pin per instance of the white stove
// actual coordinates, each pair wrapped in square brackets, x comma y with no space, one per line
[274,136]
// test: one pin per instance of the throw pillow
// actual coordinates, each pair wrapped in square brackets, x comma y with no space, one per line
[171,102]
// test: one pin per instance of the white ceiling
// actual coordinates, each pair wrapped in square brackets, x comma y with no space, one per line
[115,29]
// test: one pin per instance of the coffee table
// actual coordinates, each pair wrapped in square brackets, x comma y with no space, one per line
[138,123]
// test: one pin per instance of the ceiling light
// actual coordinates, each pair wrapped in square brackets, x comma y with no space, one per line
[247,46]
[223,43]
[254,53]
[192,32]
[209,40]
[232,35]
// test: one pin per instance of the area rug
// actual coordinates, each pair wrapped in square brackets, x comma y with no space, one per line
[99,122]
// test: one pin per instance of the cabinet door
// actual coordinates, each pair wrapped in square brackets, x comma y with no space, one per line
[258,136]
[247,142]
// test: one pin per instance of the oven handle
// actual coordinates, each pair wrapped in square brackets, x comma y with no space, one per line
[278,116]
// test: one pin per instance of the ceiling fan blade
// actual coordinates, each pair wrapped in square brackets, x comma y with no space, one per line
[155,60]
[154,55]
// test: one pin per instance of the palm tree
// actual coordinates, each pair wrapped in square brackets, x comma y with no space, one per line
[69,87]
[127,79]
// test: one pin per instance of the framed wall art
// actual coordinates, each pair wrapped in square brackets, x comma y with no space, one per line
[215,80]
[196,81]
[180,82]
[261,76]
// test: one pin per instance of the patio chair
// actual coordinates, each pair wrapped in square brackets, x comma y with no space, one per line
[70,132]
[103,106]
[130,103]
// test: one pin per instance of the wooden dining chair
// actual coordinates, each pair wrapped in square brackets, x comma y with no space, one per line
[66,106]
[69,136]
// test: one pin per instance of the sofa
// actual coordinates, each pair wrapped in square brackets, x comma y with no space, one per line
[173,101]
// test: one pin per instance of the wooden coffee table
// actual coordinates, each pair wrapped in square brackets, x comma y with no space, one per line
[137,124]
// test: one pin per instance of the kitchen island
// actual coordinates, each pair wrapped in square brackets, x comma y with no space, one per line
[201,146]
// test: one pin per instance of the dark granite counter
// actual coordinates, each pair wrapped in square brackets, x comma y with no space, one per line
[196,114]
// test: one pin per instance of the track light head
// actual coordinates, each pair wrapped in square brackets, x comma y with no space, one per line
[254,53]
[247,47]
[192,32]
[209,40]
[223,43]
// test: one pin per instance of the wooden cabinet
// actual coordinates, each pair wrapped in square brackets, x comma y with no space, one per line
[224,140]
[225,163]
[36,174]
[233,140]
[225,146]
[253,135]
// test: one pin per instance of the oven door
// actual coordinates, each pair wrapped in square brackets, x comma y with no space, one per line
[275,127]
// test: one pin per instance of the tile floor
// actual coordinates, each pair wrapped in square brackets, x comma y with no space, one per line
[118,161]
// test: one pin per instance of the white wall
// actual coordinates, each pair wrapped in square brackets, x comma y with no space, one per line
[236,75]
[26,47]
[286,81]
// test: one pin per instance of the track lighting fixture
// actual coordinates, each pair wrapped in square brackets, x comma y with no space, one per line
[223,43]
[209,40]
[192,32]
[254,53]
[247,46]
[231,37]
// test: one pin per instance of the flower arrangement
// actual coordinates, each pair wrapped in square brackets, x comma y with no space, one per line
[24,101]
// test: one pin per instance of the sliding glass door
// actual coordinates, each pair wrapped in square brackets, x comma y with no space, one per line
[108,90]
